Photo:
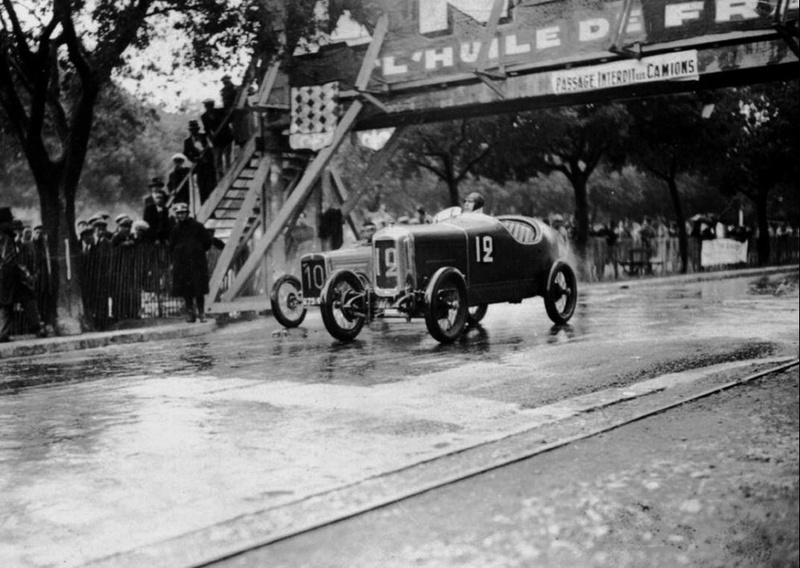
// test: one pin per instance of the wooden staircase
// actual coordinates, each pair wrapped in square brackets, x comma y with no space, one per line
[235,210]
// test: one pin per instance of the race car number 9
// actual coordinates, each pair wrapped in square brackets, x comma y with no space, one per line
[484,248]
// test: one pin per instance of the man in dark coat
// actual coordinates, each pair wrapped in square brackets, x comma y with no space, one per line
[197,148]
[221,135]
[15,284]
[189,242]
[156,213]
[178,182]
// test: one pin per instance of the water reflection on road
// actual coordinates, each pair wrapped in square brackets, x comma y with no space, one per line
[391,349]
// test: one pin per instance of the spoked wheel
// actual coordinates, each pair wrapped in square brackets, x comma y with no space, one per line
[287,301]
[562,293]
[343,305]
[446,305]
[476,313]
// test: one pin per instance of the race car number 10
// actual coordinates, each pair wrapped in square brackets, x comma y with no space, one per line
[484,248]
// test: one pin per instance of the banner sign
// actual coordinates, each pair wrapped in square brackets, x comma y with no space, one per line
[668,20]
[722,251]
[429,39]
[671,66]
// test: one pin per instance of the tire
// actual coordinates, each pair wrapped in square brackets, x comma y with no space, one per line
[561,295]
[476,313]
[446,305]
[286,299]
[343,304]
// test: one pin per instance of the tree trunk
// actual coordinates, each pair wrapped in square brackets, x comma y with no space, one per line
[452,191]
[65,309]
[683,240]
[582,221]
[762,244]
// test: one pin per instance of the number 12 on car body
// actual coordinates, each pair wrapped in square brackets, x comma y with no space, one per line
[484,248]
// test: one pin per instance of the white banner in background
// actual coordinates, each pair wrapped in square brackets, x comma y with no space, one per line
[722,251]
[681,65]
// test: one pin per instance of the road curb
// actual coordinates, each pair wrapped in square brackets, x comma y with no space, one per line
[693,277]
[34,347]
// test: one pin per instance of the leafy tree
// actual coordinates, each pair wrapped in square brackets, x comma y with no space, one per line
[758,145]
[57,56]
[572,141]
[449,150]
[668,136]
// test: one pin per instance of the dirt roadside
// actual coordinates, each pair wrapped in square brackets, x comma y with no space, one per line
[713,483]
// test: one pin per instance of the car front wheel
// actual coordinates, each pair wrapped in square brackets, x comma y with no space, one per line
[562,293]
[343,305]
[446,305]
[286,300]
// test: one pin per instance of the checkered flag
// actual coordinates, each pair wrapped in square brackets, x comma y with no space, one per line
[315,113]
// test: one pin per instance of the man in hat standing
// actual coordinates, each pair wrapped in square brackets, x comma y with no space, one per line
[189,242]
[219,130]
[197,149]
[15,284]
[227,93]
[178,180]
[156,213]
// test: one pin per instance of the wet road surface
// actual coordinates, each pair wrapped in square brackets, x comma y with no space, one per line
[108,450]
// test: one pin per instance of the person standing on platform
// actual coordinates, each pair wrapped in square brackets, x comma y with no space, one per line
[178,184]
[221,135]
[197,149]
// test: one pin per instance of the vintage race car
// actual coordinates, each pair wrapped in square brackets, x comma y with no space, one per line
[439,271]
[291,296]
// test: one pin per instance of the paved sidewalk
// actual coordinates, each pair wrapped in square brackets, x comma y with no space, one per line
[27,346]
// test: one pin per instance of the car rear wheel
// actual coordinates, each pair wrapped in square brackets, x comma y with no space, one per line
[343,304]
[287,301]
[562,293]
[446,305]
[476,313]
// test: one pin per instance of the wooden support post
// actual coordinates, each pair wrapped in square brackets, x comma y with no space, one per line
[488,36]
[375,168]
[616,35]
[341,193]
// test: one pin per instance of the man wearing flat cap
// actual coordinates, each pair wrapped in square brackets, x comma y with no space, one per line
[125,286]
[189,241]
[123,236]
[197,149]
[15,282]
[156,213]
[217,127]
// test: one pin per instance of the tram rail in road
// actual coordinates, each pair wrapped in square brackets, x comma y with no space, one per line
[558,425]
